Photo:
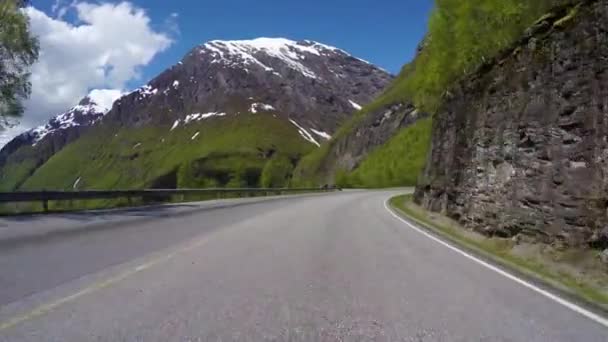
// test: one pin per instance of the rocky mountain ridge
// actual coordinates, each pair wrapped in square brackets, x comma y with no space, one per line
[59,131]
[314,84]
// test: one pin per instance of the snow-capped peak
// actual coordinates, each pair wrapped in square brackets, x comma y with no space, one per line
[276,46]
[88,111]
[248,52]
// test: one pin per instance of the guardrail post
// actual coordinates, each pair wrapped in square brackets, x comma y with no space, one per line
[45,202]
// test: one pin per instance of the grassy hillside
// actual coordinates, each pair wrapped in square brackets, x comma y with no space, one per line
[310,171]
[462,35]
[16,172]
[396,163]
[229,151]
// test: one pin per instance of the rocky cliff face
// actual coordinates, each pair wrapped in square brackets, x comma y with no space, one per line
[375,129]
[521,147]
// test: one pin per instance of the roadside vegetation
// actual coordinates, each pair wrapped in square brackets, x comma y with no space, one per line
[385,167]
[36,207]
[577,272]
[18,51]
[462,36]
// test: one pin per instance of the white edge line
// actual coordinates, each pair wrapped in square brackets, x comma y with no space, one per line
[593,316]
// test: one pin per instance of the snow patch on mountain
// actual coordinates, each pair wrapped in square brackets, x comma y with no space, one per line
[199,116]
[305,134]
[88,112]
[355,105]
[243,52]
[145,91]
[233,55]
[260,107]
[321,134]
[195,117]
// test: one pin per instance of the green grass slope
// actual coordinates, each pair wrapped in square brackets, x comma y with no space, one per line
[311,171]
[15,172]
[21,163]
[396,163]
[227,151]
[461,37]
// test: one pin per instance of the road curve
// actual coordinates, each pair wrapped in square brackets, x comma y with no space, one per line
[331,267]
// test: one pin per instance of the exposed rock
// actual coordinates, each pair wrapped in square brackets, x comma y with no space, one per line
[521,145]
[599,239]
[375,129]
[308,82]
[372,130]
[604,256]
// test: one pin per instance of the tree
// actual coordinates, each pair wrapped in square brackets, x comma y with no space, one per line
[276,173]
[18,51]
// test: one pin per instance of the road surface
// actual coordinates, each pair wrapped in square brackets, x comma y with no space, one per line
[330,267]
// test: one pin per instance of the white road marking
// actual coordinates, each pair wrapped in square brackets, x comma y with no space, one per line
[574,307]
[97,286]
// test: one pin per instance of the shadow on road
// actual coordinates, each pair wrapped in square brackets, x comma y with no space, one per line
[36,229]
[85,216]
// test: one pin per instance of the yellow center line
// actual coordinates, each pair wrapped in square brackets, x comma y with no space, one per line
[97,286]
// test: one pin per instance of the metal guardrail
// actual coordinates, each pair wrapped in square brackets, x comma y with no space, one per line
[153,194]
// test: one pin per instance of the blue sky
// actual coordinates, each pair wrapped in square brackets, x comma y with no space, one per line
[113,46]
[384,32]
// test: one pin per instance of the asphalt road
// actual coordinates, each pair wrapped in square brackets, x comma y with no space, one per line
[334,267]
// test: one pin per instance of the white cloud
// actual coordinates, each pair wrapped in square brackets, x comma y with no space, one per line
[8,133]
[57,5]
[61,7]
[105,49]
[171,24]
[104,98]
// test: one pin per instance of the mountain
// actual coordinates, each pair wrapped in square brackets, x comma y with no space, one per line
[230,113]
[22,155]
[383,145]
[519,147]
[315,85]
